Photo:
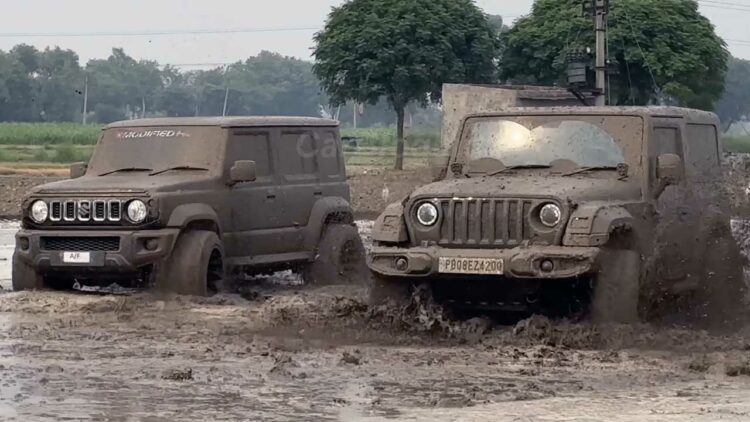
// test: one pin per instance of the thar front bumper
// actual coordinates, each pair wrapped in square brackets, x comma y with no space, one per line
[107,251]
[521,262]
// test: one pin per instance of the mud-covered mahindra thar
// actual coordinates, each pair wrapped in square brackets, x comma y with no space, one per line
[189,204]
[619,211]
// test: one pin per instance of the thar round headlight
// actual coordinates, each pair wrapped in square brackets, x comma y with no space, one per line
[427,214]
[39,212]
[550,215]
[137,211]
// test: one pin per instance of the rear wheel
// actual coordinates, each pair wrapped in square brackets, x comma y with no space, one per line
[339,259]
[25,277]
[195,267]
[722,291]
[617,287]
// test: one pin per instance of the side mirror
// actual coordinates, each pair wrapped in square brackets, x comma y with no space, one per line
[78,169]
[242,171]
[439,166]
[668,171]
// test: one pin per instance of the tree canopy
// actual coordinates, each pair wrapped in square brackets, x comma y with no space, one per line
[659,49]
[403,51]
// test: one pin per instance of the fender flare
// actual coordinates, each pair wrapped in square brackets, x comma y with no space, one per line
[592,224]
[390,226]
[324,211]
[185,214]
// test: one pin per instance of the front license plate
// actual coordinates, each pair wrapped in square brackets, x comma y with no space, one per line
[453,265]
[76,257]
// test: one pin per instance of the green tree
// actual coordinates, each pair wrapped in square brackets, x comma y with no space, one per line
[668,39]
[403,50]
[734,105]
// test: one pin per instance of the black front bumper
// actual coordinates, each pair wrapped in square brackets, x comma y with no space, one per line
[130,256]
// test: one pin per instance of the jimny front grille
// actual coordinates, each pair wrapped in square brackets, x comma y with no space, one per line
[86,210]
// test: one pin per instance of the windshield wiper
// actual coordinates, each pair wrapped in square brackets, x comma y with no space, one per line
[177,168]
[125,169]
[522,166]
[585,169]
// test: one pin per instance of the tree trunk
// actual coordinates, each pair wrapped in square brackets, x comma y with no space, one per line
[400,138]
[143,107]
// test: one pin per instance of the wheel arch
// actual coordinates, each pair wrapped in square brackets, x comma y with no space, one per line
[331,210]
[195,216]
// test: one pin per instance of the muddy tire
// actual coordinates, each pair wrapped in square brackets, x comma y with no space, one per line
[196,266]
[617,287]
[382,290]
[722,291]
[25,278]
[339,258]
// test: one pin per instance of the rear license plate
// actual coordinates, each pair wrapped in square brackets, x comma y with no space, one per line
[76,257]
[454,265]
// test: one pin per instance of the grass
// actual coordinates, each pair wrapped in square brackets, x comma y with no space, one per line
[48,134]
[737,144]
[384,137]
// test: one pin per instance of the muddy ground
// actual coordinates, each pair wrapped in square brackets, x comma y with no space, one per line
[281,351]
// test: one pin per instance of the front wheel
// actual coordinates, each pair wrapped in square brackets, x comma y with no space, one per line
[617,287]
[195,267]
[382,290]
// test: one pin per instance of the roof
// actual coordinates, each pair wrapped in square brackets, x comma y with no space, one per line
[654,111]
[245,121]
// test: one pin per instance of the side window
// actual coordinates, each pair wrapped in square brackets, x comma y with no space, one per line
[329,156]
[702,161]
[296,152]
[667,140]
[251,145]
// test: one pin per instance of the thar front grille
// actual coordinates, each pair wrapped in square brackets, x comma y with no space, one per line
[86,210]
[485,221]
[80,244]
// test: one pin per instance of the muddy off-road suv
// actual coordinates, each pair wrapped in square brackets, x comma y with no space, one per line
[615,211]
[188,204]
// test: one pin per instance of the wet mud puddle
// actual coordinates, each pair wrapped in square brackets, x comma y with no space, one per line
[320,354]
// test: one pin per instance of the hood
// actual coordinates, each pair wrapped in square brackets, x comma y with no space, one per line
[126,184]
[574,188]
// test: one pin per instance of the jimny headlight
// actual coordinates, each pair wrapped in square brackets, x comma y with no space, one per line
[39,212]
[427,214]
[137,211]
[550,215]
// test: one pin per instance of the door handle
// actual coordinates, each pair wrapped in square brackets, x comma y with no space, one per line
[318,193]
[271,196]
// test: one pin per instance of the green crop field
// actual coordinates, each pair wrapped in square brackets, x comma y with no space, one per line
[48,134]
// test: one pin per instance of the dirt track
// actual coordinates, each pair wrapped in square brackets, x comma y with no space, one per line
[294,353]
[313,355]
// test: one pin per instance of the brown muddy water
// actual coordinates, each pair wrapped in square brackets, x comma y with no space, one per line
[294,353]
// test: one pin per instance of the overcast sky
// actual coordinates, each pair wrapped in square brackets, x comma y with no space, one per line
[284,26]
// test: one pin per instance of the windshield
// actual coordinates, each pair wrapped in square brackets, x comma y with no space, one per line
[156,149]
[538,141]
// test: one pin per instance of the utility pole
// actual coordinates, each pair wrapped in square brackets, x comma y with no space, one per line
[85,98]
[226,91]
[354,115]
[601,9]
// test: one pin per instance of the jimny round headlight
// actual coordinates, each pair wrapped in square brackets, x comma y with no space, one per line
[427,214]
[39,212]
[137,211]
[550,215]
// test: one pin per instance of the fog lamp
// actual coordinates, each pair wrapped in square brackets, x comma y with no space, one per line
[402,264]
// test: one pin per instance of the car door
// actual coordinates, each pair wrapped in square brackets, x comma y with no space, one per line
[299,182]
[676,216]
[256,205]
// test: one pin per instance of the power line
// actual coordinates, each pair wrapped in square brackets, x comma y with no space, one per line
[155,33]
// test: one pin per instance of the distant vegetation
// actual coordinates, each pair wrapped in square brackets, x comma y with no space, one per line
[71,142]
[737,144]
